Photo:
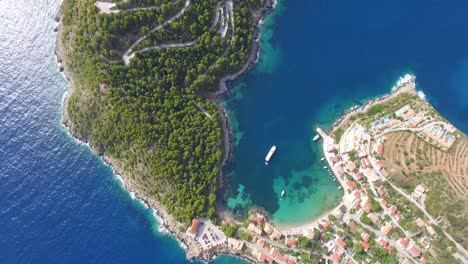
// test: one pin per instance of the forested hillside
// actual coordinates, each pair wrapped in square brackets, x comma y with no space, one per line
[138,71]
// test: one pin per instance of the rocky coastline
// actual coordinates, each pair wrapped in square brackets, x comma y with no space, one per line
[404,84]
[222,89]
[166,221]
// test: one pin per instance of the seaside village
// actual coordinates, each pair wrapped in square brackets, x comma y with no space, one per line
[371,225]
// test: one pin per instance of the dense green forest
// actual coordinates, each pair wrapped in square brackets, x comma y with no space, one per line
[148,114]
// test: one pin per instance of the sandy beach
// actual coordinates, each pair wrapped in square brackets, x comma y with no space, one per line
[310,224]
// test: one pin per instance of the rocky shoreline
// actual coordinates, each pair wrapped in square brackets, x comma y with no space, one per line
[166,221]
[224,91]
[404,84]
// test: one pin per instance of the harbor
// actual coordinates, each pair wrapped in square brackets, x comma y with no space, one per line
[326,144]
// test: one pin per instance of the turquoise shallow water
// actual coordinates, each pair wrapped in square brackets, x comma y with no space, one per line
[319,58]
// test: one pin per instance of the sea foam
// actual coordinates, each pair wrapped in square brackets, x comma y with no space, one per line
[422,95]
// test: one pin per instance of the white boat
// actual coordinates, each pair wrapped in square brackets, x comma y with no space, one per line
[325,167]
[270,153]
[339,188]
[322,159]
[283,193]
[316,137]
[334,179]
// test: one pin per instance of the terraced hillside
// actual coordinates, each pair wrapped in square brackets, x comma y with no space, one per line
[138,71]
[410,161]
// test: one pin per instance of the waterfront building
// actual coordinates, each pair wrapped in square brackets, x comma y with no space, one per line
[193,229]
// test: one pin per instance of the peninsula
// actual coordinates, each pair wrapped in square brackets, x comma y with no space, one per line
[144,75]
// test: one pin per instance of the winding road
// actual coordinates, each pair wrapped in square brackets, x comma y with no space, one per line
[128,55]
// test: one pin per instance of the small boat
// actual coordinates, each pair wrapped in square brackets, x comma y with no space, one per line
[270,153]
[322,159]
[339,188]
[283,193]
[316,137]
[334,179]
[325,167]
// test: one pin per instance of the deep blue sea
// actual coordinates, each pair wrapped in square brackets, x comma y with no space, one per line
[319,58]
[60,204]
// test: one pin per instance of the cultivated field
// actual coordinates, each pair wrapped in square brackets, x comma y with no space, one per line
[405,152]
[410,161]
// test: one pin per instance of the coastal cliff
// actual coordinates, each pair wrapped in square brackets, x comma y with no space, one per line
[130,182]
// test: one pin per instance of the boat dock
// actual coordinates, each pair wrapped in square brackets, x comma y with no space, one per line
[328,141]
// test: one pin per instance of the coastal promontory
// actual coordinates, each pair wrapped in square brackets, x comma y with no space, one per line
[143,77]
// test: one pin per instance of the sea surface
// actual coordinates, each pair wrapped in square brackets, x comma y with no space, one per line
[59,203]
[318,59]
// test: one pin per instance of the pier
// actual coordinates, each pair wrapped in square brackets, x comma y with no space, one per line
[328,141]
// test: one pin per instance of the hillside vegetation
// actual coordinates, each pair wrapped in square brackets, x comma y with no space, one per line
[410,161]
[149,114]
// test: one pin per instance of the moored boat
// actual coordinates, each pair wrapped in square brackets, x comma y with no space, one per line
[270,153]
[316,137]
[283,193]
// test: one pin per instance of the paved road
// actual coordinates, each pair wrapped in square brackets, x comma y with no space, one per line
[459,247]
[128,55]
[378,233]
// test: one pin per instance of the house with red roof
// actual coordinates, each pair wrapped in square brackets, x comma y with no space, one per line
[394,212]
[357,203]
[365,246]
[408,114]
[382,241]
[341,243]
[336,258]
[291,242]
[368,208]
[423,260]
[193,229]
[389,249]
[381,190]
[275,253]
[364,162]
[352,167]
[356,194]
[262,257]
[365,237]
[358,176]
[326,226]
[414,251]
[380,149]
[403,241]
[336,159]
[379,164]
[384,203]
[351,185]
